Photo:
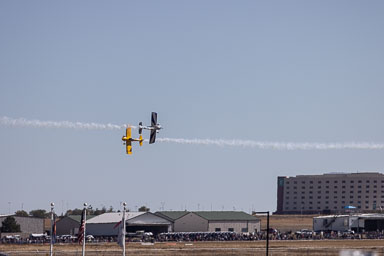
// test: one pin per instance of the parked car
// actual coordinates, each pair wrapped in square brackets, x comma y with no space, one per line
[90,238]
[304,232]
[271,230]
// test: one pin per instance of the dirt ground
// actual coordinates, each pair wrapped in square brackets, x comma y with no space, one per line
[288,248]
[286,223]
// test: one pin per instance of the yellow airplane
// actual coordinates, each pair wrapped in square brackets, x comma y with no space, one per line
[128,140]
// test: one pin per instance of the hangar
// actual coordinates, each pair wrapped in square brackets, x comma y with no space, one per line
[28,225]
[355,222]
[69,225]
[104,224]
[212,221]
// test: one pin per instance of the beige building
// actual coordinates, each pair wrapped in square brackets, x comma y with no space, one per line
[212,221]
[330,193]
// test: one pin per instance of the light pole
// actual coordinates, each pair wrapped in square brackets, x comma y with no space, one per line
[84,232]
[125,205]
[267,246]
[52,220]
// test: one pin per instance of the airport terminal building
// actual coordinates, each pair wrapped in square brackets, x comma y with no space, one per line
[330,193]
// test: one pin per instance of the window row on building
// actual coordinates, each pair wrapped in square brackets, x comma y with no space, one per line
[334,181]
[295,208]
[328,197]
[334,187]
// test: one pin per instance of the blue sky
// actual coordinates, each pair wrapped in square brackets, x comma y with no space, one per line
[286,71]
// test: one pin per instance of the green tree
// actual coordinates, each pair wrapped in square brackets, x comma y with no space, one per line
[98,212]
[9,225]
[21,213]
[74,212]
[144,209]
[39,213]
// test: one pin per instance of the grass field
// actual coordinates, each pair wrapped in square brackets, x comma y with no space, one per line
[289,248]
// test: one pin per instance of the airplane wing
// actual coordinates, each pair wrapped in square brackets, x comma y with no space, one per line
[129,148]
[154,119]
[129,133]
[153,137]
[140,128]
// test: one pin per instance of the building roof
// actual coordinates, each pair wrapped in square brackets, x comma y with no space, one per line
[331,216]
[15,216]
[77,218]
[359,215]
[339,174]
[172,215]
[226,216]
[113,217]
[148,219]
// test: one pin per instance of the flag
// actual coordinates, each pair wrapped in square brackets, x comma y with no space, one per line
[117,224]
[54,229]
[120,234]
[80,235]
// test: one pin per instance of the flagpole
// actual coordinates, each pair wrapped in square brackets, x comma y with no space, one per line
[125,204]
[51,245]
[85,224]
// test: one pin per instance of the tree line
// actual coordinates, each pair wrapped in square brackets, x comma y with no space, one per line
[10,225]
[41,213]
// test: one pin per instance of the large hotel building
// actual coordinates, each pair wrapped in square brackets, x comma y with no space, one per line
[330,193]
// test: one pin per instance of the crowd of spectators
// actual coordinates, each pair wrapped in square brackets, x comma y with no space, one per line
[203,236]
[17,239]
[275,235]
[199,236]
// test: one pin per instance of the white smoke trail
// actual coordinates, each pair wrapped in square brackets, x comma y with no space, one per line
[275,145]
[22,122]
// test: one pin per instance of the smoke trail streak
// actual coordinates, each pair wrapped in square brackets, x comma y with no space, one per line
[274,145]
[22,122]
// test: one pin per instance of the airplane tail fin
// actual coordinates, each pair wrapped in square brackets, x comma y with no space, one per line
[141,140]
[140,129]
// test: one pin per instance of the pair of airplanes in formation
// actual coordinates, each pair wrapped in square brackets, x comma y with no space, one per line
[154,128]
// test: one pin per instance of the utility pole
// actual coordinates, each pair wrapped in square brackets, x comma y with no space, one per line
[52,223]
[267,246]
